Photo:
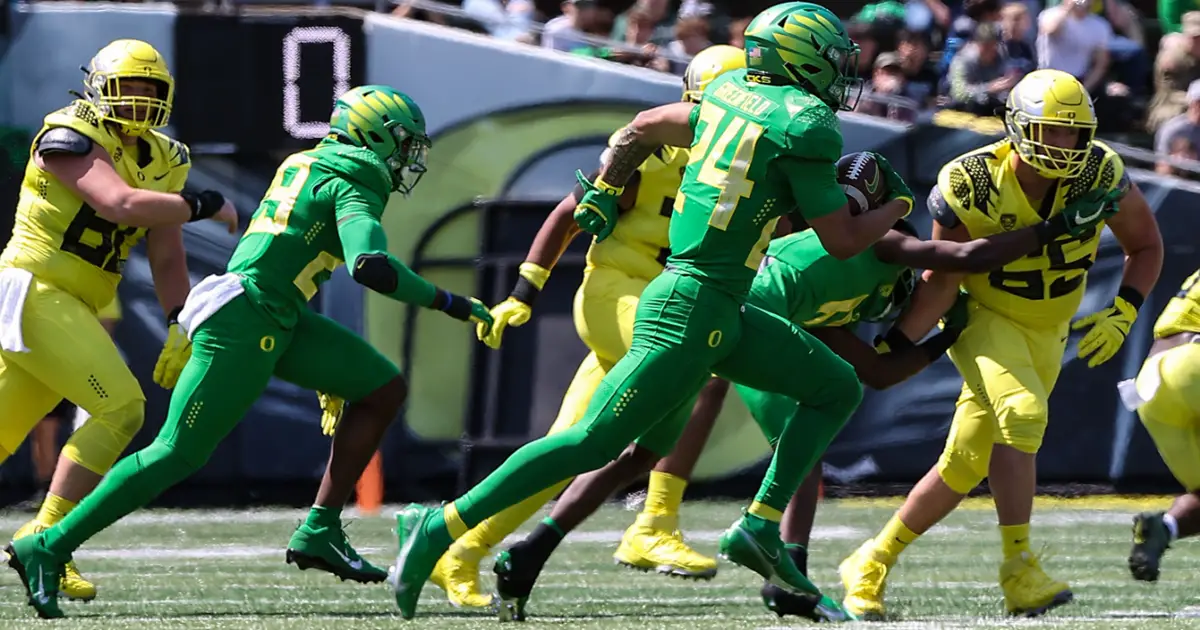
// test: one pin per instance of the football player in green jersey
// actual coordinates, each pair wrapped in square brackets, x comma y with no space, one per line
[800,281]
[251,323]
[763,141]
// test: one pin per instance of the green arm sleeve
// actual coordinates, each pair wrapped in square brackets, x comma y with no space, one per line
[362,235]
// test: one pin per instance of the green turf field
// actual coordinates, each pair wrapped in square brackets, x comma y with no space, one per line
[216,569]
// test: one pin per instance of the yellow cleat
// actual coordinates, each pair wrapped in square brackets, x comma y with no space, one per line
[1028,591]
[864,576]
[653,543]
[72,584]
[457,573]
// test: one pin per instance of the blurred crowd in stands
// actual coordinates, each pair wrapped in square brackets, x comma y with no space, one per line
[1140,59]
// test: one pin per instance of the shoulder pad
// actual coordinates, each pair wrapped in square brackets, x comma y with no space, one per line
[970,183]
[814,133]
[64,140]
[177,152]
[1104,170]
[940,209]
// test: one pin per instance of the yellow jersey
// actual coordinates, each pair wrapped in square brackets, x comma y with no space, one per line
[1043,289]
[639,245]
[1182,313]
[60,238]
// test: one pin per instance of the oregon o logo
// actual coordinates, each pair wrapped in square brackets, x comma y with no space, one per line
[714,339]
[267,343]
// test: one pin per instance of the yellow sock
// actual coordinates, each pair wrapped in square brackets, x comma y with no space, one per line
[894,538]
[766,512]
[54,508]
[1015,539]
[664,494]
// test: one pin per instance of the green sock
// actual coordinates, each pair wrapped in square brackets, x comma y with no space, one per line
[131,484]
[320,516]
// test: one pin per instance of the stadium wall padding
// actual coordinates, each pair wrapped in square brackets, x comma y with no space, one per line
[515,121]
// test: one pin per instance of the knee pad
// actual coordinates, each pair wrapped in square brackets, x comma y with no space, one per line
[1022,418]
[962,470]
[100,441]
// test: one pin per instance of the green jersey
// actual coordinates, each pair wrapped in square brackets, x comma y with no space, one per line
[759,152]
[292,244]
[799,280]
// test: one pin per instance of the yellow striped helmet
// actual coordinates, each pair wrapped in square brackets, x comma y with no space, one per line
[805,44]
[1050,98]
[111,86]
[707,65]
[390,124]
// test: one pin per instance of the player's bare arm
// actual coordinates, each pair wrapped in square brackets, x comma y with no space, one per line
[168,266]
[91,175]
[879,370]
[1136,230]
[649,130]
[974,256]
[845,235]
[937,293]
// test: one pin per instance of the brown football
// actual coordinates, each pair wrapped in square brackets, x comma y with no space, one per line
[859,175]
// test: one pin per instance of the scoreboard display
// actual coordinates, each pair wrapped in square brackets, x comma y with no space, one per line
[262,81]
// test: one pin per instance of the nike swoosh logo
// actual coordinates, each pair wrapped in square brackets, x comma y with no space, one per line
[873,185]
[160,177]
[40,595]
[354,564]
[1080,218]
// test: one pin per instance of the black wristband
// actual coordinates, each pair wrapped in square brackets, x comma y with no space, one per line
[1131,295]
[897,340]
[938,344]
[173,316]
[525,291]
[204,204]
[456,306]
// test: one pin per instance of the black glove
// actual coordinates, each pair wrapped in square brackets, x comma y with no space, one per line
[204,204]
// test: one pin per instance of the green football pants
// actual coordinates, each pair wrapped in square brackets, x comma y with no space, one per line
[234,355]
[684,332]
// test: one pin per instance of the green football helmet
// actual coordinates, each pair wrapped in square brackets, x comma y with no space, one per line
[805,43]
[388,123]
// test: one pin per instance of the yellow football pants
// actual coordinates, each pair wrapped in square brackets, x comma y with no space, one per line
[1172,415]
[605,306]
[1008,373]
[70,356]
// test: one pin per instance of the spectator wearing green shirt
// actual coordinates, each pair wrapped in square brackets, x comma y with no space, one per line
[1170,14]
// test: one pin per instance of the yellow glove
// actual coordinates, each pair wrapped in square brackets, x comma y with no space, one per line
[175,354]
[331,412]
[517,309]
[1109,329]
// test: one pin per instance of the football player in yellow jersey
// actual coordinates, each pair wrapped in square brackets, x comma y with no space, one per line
[1166,396]
[1019,317]
[100,177]
[617,270]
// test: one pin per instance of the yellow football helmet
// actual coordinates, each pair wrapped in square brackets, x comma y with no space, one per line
[707,65]
[109,86]
[1050,98]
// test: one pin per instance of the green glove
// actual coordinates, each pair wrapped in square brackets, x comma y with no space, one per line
[896,188]
[956,317]
[597,212]
[1089,210]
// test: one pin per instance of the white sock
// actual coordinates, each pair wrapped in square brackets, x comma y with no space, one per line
[1172,526]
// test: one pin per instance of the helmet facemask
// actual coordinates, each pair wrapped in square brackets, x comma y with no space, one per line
[407,162]
[1027,134]
[891,305]
[136,103]
[846,88]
